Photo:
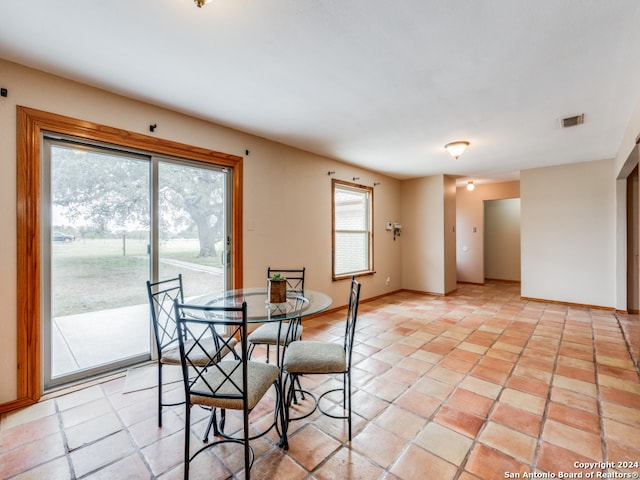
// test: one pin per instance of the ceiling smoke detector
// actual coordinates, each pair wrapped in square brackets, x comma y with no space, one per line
[573,121]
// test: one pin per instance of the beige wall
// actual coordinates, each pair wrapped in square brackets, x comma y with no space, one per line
[296,185]
[502,239]
[569,233]
[450,274]
[470,215]
[276,178]
[428,238]
[568,228]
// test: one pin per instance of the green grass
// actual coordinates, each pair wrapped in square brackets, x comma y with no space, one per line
[93,274]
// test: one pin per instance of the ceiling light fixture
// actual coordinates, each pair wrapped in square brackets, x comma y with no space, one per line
[456,148]
[201,3]
[470,185]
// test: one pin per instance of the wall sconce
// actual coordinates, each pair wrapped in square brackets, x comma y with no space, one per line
[470,185]
[455,149]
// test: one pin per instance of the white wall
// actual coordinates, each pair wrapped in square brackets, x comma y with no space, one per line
[568,216]
[275,177]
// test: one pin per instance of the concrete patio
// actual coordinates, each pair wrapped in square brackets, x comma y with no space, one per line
[91,339]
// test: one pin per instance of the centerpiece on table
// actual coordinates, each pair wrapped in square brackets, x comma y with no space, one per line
[277,289]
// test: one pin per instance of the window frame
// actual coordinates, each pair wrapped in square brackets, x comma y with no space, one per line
[341,184]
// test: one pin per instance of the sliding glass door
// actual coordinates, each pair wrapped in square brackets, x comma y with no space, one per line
[112,219]
[192,223]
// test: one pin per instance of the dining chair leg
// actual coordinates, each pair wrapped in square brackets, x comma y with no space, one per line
[347,399]
[300,388]
[247,460]
[216,430]
[223,419]
[212,423]
[159,394]
[282,414]
[187,434]
[288,393]
[344,391]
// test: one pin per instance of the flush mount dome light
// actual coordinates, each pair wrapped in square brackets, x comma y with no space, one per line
[201,3]
[470,185]
[456,148]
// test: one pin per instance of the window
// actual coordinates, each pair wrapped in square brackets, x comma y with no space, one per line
[352,229]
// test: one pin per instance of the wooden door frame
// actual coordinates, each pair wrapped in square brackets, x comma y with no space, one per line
[31,124]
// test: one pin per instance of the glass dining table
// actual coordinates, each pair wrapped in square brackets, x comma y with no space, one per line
[259,310]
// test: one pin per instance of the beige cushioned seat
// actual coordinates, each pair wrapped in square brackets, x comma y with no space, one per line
[260,377]
[267,334]
[315,357]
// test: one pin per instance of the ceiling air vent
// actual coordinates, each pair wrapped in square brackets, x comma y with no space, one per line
[573,121]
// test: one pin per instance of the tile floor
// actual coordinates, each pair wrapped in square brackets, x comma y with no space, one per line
[476,385]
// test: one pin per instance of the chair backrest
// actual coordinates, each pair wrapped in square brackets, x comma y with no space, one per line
[198,338]
[352,315]
[294,276]
[299,305]
[161,300]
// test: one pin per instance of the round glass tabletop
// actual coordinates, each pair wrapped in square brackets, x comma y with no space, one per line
[260,310]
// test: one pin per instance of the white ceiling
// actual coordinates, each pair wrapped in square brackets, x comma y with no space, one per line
[377,83]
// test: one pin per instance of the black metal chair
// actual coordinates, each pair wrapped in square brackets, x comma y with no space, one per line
[230,384]
[268,333]
[311,358]
[162,295]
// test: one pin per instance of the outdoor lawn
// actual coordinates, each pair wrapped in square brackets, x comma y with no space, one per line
[96,274]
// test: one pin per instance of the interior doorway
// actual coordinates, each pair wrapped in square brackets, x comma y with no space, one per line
[502,239]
